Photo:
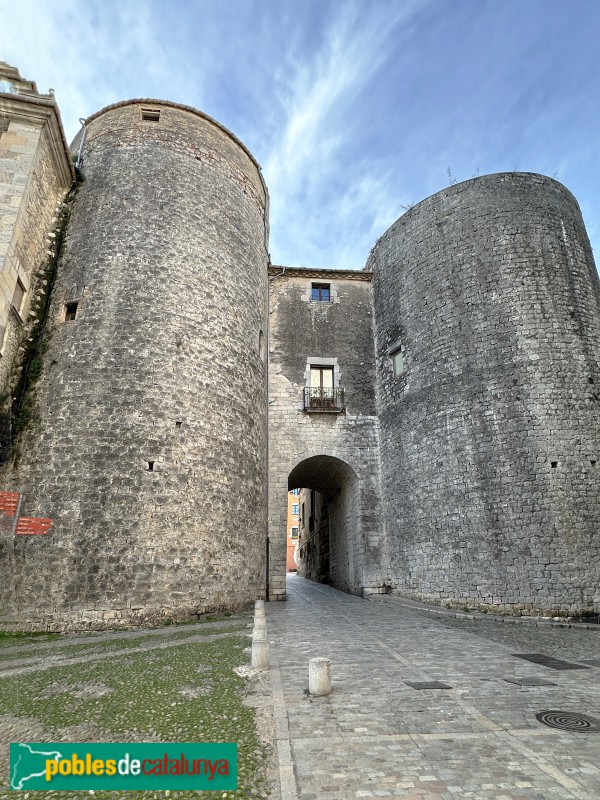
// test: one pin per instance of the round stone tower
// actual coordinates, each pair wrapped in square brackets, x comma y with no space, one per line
[148,444]
[487,310]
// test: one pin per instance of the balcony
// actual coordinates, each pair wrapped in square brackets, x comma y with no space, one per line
[323,400]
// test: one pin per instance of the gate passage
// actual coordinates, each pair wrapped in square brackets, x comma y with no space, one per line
[10,505]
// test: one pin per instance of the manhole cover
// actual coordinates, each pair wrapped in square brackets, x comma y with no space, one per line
[569,721]
[529,682]
[427,685]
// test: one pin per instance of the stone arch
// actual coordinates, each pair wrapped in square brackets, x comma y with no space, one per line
[330,547]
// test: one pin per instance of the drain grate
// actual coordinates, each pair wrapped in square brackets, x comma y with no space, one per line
[427,685]
[548,661]
[569,721]
[529,682]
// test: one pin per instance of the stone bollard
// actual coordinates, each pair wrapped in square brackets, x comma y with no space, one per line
[319,676]
[260,653]
[260,619]
[259,604]
[259,634]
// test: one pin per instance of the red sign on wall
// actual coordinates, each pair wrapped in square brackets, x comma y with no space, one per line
[10,505]
[33,525]
[9,502]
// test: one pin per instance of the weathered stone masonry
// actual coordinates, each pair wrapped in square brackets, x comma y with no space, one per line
[461,464]
[150,449]
[35,173]
[335,454]
[490,441]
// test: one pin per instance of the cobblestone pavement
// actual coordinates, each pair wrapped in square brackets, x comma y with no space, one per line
[375,736]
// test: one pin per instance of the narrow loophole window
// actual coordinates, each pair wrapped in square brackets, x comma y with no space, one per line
[398,363]
[18,295]
[261,345]
[70,311]
[150,466]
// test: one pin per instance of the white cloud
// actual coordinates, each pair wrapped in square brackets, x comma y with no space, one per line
[317,97]
[355,109]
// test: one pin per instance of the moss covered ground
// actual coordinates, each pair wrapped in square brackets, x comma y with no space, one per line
[186,691]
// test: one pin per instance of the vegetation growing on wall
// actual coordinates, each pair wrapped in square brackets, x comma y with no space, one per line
[21,407]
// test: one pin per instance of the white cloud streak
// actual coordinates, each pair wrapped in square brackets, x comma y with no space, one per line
[317,98]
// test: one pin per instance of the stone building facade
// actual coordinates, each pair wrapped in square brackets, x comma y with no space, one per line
[35,173]
[147,446]
[438,409]
[323,429]
[292,531]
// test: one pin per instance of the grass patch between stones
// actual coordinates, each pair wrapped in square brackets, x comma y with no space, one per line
[188,693]
[10,638]
[97,646]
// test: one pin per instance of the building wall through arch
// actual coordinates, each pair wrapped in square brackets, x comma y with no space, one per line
[331,547]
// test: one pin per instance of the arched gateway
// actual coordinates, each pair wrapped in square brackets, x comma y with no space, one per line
[330,547]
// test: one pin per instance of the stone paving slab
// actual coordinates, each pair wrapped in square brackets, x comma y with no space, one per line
[375,736]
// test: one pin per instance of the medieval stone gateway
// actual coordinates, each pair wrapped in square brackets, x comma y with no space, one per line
[439,407]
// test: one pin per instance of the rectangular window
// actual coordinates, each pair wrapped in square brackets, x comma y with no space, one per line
[321,392]
[18,295]
[294,533]
[295,509]
[295,491]
[398,362]
[321,377]
[320,293]
[70,311]
[150,114]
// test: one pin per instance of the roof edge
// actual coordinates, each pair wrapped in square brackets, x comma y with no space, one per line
[182,107]
[320,272]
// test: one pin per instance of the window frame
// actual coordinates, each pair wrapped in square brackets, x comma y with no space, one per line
[71,309]
[19,288]
[320,288]
[148,114]
[397,354]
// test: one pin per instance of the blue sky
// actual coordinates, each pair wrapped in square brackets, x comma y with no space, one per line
[355,110]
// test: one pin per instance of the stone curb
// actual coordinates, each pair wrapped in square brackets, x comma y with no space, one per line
[539,622]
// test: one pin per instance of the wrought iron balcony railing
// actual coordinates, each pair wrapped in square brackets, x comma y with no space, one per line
[318,399]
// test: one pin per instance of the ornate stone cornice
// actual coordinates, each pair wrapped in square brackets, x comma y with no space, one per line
[42,111]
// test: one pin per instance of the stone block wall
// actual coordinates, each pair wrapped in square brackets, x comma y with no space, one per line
[462,465]
[490,439]
[149,445]
[334,454]
[35,174]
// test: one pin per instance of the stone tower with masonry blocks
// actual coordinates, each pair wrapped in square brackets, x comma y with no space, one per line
[439,407]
